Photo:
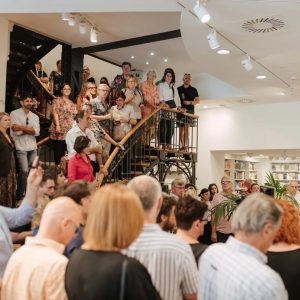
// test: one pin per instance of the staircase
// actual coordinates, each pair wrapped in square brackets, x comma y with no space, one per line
[139,158]
[26,48]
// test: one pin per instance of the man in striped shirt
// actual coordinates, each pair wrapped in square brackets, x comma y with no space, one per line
[167,257]
[237,270]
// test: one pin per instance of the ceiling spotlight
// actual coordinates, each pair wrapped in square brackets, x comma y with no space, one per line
[261,77]
[223,51]
[246,63]
[147,62]
[213,40]
[132,56]
[94,35]
[82,27]
[65,16]
[151,53]
[201,12]
[72,21]
[205,106]
[165,60]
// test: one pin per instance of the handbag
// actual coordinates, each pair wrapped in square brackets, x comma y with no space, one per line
[123,277]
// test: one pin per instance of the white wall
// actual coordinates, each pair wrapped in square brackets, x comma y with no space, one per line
[251,127]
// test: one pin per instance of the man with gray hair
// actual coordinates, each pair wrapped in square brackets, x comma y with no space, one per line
[237,270]
[167,257]
[177,188]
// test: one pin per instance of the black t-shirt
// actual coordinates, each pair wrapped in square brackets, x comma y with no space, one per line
[287,264]
[187,94]
[57,82]
[198,249]
[97,275]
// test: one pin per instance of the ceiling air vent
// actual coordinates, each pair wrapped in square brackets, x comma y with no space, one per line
[263,25]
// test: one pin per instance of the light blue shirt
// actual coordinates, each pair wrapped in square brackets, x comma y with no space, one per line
[238,271]
[11,218]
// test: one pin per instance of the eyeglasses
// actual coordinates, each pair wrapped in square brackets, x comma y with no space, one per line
[132,81]
[104,90]
[27,121]
[92,87]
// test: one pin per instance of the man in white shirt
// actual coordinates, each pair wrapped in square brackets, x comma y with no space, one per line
[293,191]
[237,270]
[37,269]
[167,257]
[83,122]
[25,127]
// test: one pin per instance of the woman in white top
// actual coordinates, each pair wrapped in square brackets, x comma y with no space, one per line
[133,96]
[123,117]
[166,95]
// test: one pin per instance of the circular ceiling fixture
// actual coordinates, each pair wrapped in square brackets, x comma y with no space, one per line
[263,25]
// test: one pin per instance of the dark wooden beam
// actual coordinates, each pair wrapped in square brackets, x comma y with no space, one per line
[132,42]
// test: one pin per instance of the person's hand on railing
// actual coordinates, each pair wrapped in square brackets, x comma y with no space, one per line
[103,170]
[120,146]
[165,105]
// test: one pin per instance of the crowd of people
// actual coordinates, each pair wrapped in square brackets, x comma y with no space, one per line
[131,241]
[135,242]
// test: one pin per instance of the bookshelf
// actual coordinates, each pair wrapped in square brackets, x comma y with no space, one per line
[285,171]
[239,170]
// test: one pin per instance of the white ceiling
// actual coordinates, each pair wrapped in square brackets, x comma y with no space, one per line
[221,80]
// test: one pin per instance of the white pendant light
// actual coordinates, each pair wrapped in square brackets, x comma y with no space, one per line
[94,35]
[65,16]
[213,40]
[246,63]
[201,12]
[72,20]
[82,27]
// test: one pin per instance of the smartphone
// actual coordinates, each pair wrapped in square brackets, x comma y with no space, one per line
[35,163]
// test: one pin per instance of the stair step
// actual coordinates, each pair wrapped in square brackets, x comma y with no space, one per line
[140,163]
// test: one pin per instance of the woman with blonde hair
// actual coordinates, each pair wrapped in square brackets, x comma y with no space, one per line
[7,161]
[99,270]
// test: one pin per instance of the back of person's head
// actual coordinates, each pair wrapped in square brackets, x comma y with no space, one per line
[188,210]
[115,219]
[60,220]
[81,142]
[289,231]
[203,191]
[77,190]
[190,189]
[255,212]
[148,189]
[167,204]
[79,116]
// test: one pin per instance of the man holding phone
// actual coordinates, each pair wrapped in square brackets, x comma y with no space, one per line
[25,128]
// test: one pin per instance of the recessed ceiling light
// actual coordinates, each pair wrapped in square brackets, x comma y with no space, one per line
[280,93]
[246,101]
[223,51]
[65,16]
[147,62]
[261,77]
[165,60]
[205,106]
[132,56]
[151,53]
[293,77]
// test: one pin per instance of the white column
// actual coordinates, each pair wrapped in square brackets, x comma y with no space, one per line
[5,28]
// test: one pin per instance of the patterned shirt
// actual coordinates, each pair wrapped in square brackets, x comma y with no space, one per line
[66,113]
[100,108]
[168,259]
[151,97]
[238,271]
